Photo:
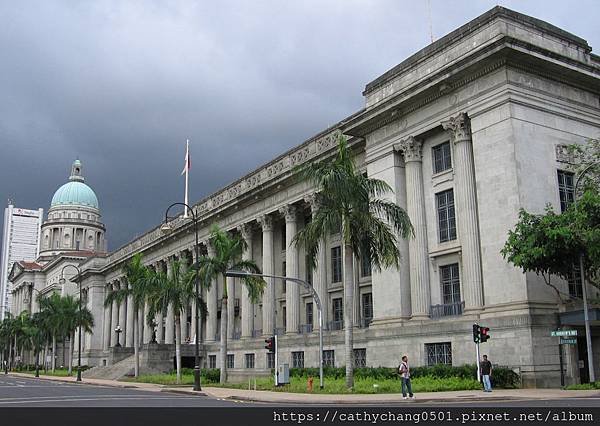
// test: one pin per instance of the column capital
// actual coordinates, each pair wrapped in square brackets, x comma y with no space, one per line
[313,201]
[459,128]
[290,212]
[411,148]
[266,222]
[245,230]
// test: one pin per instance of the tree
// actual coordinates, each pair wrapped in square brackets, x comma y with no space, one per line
[38,334]
[551,244]
[172,290]
[138,281]
[51,306]
[228,250]
[586,163]
[350,204]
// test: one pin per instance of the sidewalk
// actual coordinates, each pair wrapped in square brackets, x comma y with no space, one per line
[301,398]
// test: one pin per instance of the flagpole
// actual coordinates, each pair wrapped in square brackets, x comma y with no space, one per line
[187,171]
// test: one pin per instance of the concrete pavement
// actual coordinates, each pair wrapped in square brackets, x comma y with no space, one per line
[299,398]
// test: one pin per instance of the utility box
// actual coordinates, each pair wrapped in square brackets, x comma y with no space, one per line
[283,374]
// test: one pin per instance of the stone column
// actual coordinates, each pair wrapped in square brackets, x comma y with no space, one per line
[419,253]
[185,262]
[266,223]
[114,317]
[247,306]
[107,317]
[319,272]
[123,318]
[211,303]
[160,331]
[147,328]
[391,286]
[230,282]
[292,293]
[129,322]
[459,128]
[170,323]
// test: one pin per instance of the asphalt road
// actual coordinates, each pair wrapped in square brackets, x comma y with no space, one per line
[31,392]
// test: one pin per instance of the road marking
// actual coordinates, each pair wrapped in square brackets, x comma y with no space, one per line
[94,398]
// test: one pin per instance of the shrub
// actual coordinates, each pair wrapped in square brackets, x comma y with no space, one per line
[584,386]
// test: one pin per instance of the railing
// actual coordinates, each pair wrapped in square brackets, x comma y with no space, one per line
[364,322]
[257,333]
[280,331]
[305,328]
[335,325]
[447,310]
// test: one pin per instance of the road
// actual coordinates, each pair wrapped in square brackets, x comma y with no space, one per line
[30,392]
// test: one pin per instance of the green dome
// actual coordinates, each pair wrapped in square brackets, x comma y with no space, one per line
[75,193]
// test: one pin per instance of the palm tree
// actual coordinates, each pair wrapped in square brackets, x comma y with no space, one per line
[139,280]
[172,290]
[74,317]
[21,325]
[6,337]
[51,306]
[38,334]
[228,252]
[350,204]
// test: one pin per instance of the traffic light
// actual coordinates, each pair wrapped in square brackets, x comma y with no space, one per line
[476,333]
[484,334]
[271,344]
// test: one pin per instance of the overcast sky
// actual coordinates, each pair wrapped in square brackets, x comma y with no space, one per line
[122,84]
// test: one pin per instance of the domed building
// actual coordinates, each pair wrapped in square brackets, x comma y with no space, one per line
[73,222]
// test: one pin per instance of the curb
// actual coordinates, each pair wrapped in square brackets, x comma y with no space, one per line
[183,392]
[356,402]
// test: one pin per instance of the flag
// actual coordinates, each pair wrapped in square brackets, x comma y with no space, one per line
[188,162]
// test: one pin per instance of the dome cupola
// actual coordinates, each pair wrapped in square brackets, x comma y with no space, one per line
[75,192]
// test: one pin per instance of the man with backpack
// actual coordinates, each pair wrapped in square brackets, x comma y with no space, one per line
[404,372]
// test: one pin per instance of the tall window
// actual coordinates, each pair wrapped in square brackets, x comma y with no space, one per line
[367,306]
[283,265]
[309,270]
[329,358]
[575,287]
[442,159]
[439,353]
[446,218]
[360,358]
[284,314]
[336,264]
[298,359]
[450,282]
[230,360]
[566,189]
[365,266]
[270,360]
[212,361]
[283,245]
[309,313]
[249,360]
[338,310]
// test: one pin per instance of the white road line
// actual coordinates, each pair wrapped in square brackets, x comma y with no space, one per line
[96,396]
[113,398]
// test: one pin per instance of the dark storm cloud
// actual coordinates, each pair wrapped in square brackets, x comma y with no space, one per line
[121,85]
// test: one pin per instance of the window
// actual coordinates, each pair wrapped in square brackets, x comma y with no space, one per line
[442,158]
[298,359]
[360,358]
[283,286]
[212,361]
[575,287]
[230,360]
[329,358]
[336,264]
[309,270]
[249,360]
[367,306]
[338,312]
[284,314]
[309,313]
[283,244]
[270,360]
[365,266]
[446,219]
[566,189]
[439,353]
[450,282]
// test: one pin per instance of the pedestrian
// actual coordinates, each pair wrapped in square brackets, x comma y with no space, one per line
[486,374]
[404,371]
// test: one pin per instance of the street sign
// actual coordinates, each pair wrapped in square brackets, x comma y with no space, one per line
[564,341]
[563,333]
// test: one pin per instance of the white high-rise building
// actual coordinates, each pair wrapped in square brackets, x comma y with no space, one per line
[20,241]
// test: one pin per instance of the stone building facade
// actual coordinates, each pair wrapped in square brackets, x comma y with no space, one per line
[466,132]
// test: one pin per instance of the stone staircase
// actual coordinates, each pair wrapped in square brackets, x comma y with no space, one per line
[122,368]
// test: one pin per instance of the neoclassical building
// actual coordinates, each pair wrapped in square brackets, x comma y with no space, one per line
[466,132]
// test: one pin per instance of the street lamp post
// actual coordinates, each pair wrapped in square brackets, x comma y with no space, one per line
[241,274]
[166,228]
[586,316]
[118,330]
[37,355]
[62,281]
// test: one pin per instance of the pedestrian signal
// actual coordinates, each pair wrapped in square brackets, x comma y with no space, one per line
[270,344]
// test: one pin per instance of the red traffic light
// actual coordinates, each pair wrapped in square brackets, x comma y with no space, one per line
[270,344]
[484,334]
